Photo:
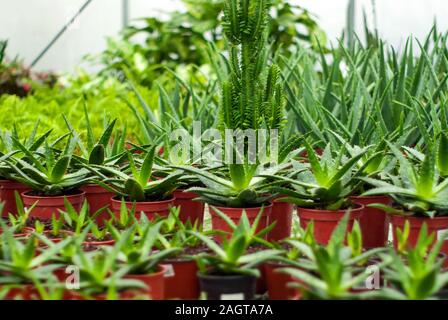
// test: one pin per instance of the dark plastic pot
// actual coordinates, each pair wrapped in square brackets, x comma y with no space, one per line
[281,213]
[436,225]
[98,198]
[277,283]
[181,280]
[374,222]
[325,221]
[150,209]
[7,190]
[155,283]
[227,287]
[235,215]
[189,209]
[46,207]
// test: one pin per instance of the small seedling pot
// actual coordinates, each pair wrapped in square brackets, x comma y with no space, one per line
[437,225]
[325,221]
[227,287]
[277,283]
[218,224]
[281,214]
[7,190]
[189,209]
[155,283]
[181,280]
[374,222]
[150,209]
[46,207]
[97,198]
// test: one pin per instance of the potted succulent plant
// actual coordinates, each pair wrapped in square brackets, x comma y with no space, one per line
[181,280]
[419,192]
[49,175]
[144,259]
[416,273]
[140,188]
[100,152]
[228,271]
[21,266]
[321,189]
[374,222]
[332,271]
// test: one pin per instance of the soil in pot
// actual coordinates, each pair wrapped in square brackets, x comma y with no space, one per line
[98,198]
[374,222]
[216,286]
[281,214]
[155,283]
[325,221]
[7,191]
[189,209]
[90,240]
[437,225]
[150,209]
[46,206]
[277,283]
[235,214]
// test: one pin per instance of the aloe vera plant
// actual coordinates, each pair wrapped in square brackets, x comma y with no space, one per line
[416,273]
[49,171]
[139,184]
[325,182]
[417,187]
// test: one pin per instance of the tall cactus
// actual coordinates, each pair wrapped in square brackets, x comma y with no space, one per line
[252,95]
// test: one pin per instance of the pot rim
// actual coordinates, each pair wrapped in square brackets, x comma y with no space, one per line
[114,200]
[241,209]
[79,193]
[161,270]
[358,209]
[220,277]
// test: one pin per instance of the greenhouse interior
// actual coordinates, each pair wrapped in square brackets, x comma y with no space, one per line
[199,150]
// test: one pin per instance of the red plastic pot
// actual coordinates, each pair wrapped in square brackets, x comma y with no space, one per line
[155,283]
[437,225]
[325,221]
[281,214]
[189,209]
[46,207]
[22,292]
[374,222]
[98,198]
[150,209]
[181,280]
[277,283]
[7,190]
[235,215]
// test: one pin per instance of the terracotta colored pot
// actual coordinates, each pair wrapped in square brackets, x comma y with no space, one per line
[189,209]
[181,280]
[281,214]
[98,198]
[124,295]
[23,292]
[7,190]
[46,207]
[235,215]
[374,222]
[99,243]
[437,225]
[155,283]
[57,240]
[325,221]
[26,232]
[150,209]
[277,283]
